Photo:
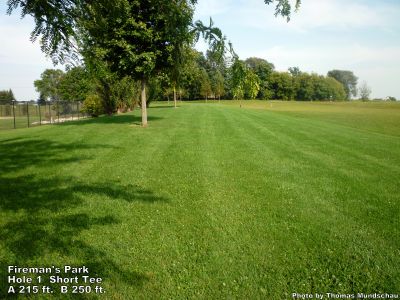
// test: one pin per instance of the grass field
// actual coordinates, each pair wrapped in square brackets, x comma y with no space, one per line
[211,201]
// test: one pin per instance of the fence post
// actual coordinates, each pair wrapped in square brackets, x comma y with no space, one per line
[49,113]
[40,114]
[14,114]
[27,112]
[58,111]
[78,105]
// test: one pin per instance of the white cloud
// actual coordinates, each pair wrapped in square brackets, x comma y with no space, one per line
[335,56]
[207,8]
[314,14]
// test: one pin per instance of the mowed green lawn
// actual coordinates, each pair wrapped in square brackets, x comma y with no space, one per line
[210,201]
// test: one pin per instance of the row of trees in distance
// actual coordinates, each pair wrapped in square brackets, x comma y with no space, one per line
[138,40]
[7,96]
[202,77]
[125,48]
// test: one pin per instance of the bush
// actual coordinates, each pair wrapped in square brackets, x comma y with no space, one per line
[93,105]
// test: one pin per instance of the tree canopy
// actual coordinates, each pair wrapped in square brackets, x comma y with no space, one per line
[348,79]
[138,39]
[48,85]
[7,96]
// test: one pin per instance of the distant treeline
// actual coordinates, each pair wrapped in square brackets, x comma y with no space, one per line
[201,77]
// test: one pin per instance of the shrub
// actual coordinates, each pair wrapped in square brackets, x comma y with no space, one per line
[93,105]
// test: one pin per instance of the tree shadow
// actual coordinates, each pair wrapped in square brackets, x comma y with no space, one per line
[114,119]
[166,106]
[41,215]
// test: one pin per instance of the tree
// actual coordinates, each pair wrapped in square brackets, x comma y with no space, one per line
[252,84]
[238,79]
[263,69]
[205,84]
[304,87]
[348,79]
[138,38]
[49,84]
[294,71]
[281,86]
[7,96]
[335,89]
[75,85]
[365,91]
[310,87]
[41,100]
[219,85]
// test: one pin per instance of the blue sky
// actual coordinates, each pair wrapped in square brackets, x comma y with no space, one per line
[358,35]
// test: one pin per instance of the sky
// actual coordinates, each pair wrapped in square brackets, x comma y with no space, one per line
[362,36]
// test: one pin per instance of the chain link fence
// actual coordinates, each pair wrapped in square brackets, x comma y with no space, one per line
[18,114]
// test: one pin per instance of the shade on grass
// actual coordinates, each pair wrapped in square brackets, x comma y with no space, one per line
[210,201]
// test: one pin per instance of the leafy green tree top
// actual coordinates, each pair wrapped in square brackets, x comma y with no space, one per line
[138,38]
[57,22]
[7,96]
[348,79]
[49,83]
[260,66]
[75,85]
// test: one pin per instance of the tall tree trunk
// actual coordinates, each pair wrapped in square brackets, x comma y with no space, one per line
[206,99]
[144,106]
[174,94]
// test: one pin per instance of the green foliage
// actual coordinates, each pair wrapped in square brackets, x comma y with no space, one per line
[55,24]
[252,84]
[294,71]
[305,87]
[49,84]
[335,89]
[60,25]
[391,98]
[219,84]
[205,84]
[138,38]
[283,7]
[263,69]
[317,87]
[214,37]
[348,79]
[7,96]
[41,100]
[281,86]
[238,79]
[93,105]
[75,85]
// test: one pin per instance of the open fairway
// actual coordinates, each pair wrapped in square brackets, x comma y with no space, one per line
[211,200]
